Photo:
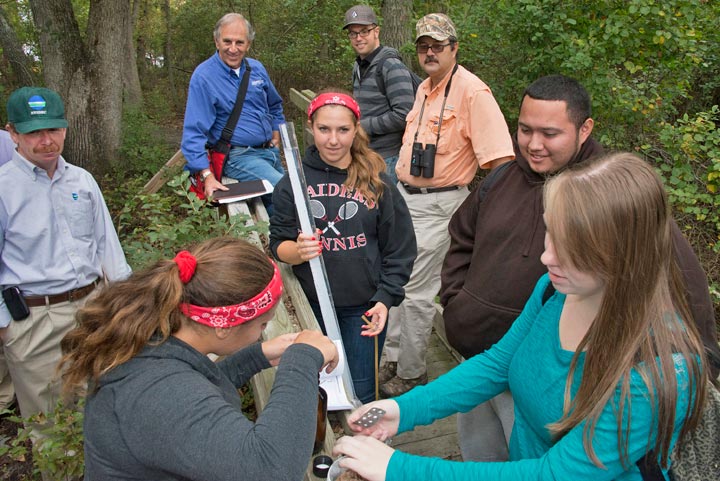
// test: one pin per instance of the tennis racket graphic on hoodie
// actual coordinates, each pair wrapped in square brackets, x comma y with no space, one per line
[318,211]
[346,211]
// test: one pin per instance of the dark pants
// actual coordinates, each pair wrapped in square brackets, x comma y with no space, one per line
[360,350]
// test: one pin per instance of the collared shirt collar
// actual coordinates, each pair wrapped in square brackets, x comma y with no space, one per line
[363,62]
[33,170]
[226,68]
[430,89]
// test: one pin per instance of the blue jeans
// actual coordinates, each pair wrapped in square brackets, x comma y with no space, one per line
[247,163]
[360,350]
[391,161]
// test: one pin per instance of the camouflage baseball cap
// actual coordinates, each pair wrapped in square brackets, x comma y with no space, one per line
[435,25]
[35,108]
[360,15]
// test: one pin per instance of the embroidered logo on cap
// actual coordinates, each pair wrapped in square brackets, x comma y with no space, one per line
[37,105]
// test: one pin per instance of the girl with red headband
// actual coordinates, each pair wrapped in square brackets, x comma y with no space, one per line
[364,234]
[157,407]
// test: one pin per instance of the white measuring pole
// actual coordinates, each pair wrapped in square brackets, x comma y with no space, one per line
[307,226]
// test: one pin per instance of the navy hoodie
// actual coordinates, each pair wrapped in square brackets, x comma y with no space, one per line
[368,249]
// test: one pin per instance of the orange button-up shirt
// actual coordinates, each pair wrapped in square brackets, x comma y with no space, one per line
[473,131]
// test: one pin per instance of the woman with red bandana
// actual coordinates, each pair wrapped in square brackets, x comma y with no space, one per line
[158,408]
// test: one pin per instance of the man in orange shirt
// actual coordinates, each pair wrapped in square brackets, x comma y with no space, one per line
[455,127]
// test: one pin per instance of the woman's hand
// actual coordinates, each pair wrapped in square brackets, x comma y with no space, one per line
[365,455]
[308,246]
[323,344]
[386,427]
[377,317]
[275,347]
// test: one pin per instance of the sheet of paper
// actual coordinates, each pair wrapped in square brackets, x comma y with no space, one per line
[334,386]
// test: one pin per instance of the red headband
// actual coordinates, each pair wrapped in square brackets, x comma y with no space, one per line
[333,98]
[229,316]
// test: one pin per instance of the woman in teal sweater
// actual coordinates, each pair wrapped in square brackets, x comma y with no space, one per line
[605,370]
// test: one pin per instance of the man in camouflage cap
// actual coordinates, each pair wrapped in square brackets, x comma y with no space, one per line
[455,127]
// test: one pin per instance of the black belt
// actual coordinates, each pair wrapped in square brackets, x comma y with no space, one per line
[428,190]
[265,145]
[71,295]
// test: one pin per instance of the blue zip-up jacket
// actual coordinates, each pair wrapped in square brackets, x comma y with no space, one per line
[211,98]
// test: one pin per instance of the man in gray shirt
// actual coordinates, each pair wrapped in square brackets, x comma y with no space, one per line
[382,85]
[7,393]
[57,243]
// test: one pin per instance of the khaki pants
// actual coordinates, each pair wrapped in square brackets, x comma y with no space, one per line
[32,350]
[7,392]
[484,432]
[410,323]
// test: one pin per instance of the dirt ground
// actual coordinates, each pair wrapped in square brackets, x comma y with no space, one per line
[10,469]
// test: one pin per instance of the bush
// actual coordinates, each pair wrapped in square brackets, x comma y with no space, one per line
[157,226]
[59,452]
[687,153]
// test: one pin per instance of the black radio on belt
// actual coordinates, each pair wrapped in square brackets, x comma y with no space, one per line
[422,161]
[15,303]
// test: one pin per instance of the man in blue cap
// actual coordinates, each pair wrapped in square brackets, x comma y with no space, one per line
[57,244]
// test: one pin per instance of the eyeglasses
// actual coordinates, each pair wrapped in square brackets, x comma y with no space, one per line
[436,47]
[360,33]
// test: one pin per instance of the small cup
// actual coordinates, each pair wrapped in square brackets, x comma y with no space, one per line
[321,465]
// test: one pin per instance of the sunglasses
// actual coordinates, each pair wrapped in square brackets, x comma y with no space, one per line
[436,47]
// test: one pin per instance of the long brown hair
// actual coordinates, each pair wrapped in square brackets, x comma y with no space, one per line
[366,165]
[114,326]
[611,217]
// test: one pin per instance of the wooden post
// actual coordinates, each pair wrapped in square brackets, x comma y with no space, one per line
[164,174]
[302,99]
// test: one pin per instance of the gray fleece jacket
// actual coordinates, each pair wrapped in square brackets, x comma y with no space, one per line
[171,414]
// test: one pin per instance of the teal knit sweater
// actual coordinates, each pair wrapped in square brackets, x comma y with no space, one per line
[530,361]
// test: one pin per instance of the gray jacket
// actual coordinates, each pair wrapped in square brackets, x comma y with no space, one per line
[383,115]
[170,413]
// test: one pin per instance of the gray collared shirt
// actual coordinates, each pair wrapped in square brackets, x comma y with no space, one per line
[55,234]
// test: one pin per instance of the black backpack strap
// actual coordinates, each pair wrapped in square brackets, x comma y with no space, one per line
[548,293]
[491,178]
[227,131]
[649,467]
[379,77]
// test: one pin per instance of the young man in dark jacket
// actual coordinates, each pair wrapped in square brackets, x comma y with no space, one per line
[384,107]
[497,237]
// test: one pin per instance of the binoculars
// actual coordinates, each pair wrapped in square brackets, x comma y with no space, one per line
[422,160]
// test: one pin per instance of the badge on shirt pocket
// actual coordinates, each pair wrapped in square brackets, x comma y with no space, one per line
[81,215]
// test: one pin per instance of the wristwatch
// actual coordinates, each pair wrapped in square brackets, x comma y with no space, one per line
[206,174]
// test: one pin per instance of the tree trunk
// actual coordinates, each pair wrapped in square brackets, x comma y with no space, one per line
[167,58]
[12,50]
[131,76]
[87,73]
[397,28]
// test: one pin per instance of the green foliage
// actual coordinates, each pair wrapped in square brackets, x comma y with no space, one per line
[687,153]
[143,150]
[641,59]
[156,226]
[59,450]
